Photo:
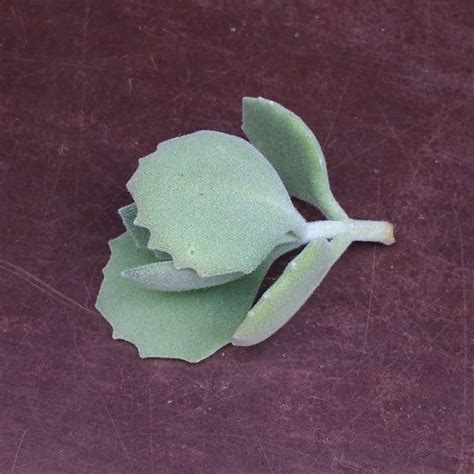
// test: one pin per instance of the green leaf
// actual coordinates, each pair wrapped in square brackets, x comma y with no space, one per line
[164,276]
[140,235]
[286,296]
[214,203]
[293,150]
[189,325]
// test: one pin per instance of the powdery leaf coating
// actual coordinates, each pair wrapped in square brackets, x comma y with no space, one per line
[188,325]
[214,203]
[286,296]
[293,150]
[164,276]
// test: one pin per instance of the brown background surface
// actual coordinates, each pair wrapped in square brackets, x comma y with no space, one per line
[374,374]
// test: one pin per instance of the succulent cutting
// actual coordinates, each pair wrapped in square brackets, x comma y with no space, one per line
[210,213]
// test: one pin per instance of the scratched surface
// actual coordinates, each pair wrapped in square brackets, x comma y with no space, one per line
[375,373]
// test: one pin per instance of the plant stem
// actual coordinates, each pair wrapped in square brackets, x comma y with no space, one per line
[365,231]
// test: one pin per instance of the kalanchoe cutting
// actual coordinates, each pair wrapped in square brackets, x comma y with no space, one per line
[210,214]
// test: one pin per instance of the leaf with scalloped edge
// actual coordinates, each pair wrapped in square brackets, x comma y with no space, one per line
[293,150]
[140,235]
[214,203]
[164,276]
[189,325]
[286,296]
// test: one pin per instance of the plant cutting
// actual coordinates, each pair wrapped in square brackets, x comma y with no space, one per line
[210,213]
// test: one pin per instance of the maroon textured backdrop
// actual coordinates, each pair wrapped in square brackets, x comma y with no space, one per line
[374,374]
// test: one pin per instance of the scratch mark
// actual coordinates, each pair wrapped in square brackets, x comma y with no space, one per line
[152,60]
[19,18]
[369,310]
[187,78]
[243,67]
[385,391]
[52,192]
[183,414]
[41,285]
[343,93]
[85,29]
[395,136]
[246,439]
[62,149]
[419,124]
[51,60]
[428,19]
[18,450]
[377,73]
[88,285]
[465,341]
[117,434]
[150,419]
[263,451]
[379,347]
[42,76]
[20,344]
[389,438]
[130,86]
[371,291]
[73,327]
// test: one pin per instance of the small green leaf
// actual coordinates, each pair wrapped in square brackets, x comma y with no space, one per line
[214,203]
[293,150]
[164,276]
[140,235]
[286,296]
[189,325]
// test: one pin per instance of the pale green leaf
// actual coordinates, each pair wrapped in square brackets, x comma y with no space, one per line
[188,325]
[293,150]
[286,296]
[140,235]
[164,276]
[214,203]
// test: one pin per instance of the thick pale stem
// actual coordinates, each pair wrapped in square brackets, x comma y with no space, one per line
[365,231]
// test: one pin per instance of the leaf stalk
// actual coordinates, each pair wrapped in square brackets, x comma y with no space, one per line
[356,230]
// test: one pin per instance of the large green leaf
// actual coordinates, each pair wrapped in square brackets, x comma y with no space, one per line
[188,325]
[286,296]
[164,276]
[214,203]
[293,150]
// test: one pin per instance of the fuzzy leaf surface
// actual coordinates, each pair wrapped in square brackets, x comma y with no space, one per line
[293,150]
[286,296]
[164,276]
[214,203]
[188,325]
